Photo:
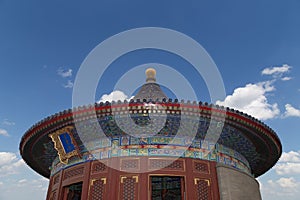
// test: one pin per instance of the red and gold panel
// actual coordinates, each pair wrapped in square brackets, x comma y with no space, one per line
[185,177]
[98,189]
[129,187]
[202,189]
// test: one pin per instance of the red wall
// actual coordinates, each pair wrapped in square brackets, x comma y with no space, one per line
[101,182]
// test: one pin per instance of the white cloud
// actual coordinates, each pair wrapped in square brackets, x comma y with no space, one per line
[282,187]
[287,182]
[18,181]
[287,168]
[289,163]
[276,70]
[3,132]
[22,181]
[16,188]
[114,96]
[9,163]
[64,73]
[284,184]
[290,111]
[40,183]
[291,156]
[252,100]
[286,78]
[7,158]
[69,84]
[8,123]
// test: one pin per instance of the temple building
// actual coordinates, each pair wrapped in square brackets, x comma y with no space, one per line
[151,147]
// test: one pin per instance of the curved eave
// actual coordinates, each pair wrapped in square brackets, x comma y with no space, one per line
[251,128]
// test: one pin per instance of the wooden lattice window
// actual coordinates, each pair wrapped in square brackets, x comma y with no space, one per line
[129,190]
[176,165]
[73,173]
[97,189]
[99,167]
[202,189]
[201,167]
[166,164]
[130,164]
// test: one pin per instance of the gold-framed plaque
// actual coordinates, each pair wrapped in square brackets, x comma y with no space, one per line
[65,144]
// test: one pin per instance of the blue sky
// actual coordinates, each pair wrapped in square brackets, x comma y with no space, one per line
[255,45]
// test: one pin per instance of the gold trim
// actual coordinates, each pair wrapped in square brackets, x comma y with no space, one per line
[92,184]
[63,156]
[208,182]
[198,179]
[92,181]
[122,178]
[95,179]
[104,181]
[136,178]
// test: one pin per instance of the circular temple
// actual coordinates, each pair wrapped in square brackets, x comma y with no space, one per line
[246,149]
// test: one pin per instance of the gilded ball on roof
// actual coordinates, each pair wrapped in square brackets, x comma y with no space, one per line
[150,74]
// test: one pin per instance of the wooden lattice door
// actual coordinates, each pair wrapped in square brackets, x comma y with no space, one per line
[129,188]
[97,189]
[202,189]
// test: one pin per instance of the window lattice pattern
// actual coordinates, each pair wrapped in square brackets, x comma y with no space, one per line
[159,164]
[202,190]
[130,164]
[99,167]
[74,172]
[97,191]
[201,167]
[56,179]
[129,192]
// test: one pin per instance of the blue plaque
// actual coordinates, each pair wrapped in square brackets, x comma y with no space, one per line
[66,142]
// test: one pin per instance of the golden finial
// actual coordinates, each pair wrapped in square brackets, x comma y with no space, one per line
[150,75]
